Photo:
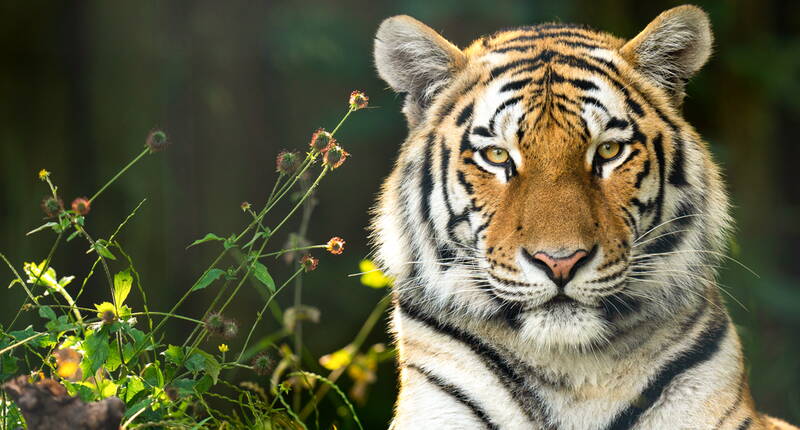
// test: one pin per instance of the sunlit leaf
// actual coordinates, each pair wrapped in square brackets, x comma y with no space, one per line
[122,286]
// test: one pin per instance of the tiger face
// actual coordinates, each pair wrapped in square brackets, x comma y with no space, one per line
[549,180]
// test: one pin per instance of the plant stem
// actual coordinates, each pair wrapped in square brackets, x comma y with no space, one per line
[264,309]
[124,169]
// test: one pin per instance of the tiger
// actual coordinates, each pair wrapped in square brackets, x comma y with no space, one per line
[553,226]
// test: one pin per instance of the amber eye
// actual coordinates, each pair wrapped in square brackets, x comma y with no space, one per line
[609,150]
[496,155]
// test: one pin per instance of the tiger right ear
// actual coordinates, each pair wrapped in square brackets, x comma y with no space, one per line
[672,48]
[414,59]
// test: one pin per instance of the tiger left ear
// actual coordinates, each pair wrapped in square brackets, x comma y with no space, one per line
[672,48]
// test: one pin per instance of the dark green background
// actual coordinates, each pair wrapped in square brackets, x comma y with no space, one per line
[232,83]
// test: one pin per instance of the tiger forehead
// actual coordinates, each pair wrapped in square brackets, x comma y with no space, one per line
[521,39]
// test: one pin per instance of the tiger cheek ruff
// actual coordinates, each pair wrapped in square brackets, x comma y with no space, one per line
[553,225]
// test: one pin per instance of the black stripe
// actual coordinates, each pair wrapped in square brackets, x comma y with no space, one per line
[659,150]
[426,181]
[515,85]
[529,400]
[543,56]
[594,102]
[482,131]
[641,175]
[465,114]
[510,102]
[672,238]
[463,181]
[620,304]
[677,176]
[745,424]
[704,348]
[633,153]
[456,393]
[551,35]
[617,123]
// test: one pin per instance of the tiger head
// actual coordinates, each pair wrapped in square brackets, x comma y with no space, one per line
[549,180]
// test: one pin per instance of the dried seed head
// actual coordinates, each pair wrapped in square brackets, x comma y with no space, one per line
[262,364]
[321,140]
[81,205]
[334,156]
[215,324]
[172,393]
[52,206]
[358,100]
[245,206]
[230,330]
[156,141]
[308,262]
[108,317]
[287,162]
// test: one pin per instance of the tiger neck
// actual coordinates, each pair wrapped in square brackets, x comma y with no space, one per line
[644,338]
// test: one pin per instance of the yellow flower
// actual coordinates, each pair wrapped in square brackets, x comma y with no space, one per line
[337,359]
[106,311]
[372,276]
[43,174]
[223,347]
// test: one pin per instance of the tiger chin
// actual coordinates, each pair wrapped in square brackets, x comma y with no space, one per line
[553,225]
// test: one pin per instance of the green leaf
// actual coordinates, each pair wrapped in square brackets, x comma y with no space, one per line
[203,361]
[44,226]
[207,238]
[122,286]
[203,384]
[73,235]
[174,355]
[133,387]
[141,404]
[8,363]
[20,335]
[184,386]
[209,277]
[114,360]
[102,249]
[59,325]
[47,312]
[152,375]
[262,274]
[96,351]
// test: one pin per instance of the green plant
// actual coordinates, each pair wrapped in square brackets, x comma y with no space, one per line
[111,349]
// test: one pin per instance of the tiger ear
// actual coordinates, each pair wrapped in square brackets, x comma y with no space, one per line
[672,48]
[414,59]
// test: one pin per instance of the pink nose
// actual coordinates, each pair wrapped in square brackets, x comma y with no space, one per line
[559,269]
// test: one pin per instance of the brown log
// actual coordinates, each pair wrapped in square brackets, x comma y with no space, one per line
[46,405]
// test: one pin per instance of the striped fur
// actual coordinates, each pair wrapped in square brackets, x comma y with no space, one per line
[639,337]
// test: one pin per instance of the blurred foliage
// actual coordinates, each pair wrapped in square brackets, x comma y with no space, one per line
[82,82]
